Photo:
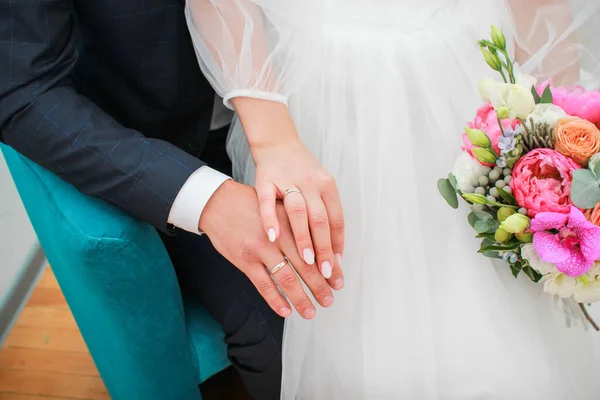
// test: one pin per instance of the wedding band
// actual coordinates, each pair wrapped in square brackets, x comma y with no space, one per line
[294,190]
[277,267]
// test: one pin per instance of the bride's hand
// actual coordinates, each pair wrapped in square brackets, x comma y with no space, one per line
[312,200]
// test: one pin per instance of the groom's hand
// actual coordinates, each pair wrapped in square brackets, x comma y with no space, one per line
[231,219]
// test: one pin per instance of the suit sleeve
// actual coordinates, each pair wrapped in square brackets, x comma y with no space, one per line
[44,118]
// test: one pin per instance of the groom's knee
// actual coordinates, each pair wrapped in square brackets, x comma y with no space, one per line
[254,334]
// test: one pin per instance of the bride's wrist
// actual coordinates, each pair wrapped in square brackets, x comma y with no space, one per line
[267,124]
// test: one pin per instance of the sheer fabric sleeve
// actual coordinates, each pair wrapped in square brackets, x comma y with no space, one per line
[243,50]
[555,38]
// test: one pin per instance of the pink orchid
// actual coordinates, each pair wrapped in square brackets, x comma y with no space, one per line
[568,241]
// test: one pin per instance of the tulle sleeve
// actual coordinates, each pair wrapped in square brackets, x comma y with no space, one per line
[241,50]
[556,38]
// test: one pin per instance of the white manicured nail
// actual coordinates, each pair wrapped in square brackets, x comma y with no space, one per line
[309,256]
[272,235]
[326,269]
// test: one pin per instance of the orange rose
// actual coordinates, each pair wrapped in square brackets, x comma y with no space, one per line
[593,215]
[578,139]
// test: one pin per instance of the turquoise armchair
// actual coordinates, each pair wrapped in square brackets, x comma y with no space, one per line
[120,284]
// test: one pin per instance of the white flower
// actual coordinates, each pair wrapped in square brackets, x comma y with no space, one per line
[486,86]
[588,292]
[595,270]
[555,282]
[525,80]
[546,113]
[528,252]
[467,171]
[560,285]
[517,97]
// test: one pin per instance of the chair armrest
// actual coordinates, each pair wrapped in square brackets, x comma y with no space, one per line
[120,285]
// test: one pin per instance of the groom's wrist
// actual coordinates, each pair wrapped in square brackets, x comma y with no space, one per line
[193,196]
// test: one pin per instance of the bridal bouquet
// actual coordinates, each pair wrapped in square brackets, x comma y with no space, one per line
[530,171]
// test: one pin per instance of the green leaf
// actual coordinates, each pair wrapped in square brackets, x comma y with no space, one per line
[452,180]
[515,268]
[487,243]
[497,248]
[546,96]
[492,254]
[535,94]
[532,273]
[484,225]
[483,214]
[597,170]
[593,164]
[448,192]
[488,236]
[513,243]
[585,191]
[472,218]
[509,198]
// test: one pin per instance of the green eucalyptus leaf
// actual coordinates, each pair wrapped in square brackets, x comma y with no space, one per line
[492,254]
[452,180]
[597,170]
[593,165]
[487,242]
[481,214]
[448,192]
[535,94]
[585,190]
[472,218]
[507,197]
[484,225]
[546,96]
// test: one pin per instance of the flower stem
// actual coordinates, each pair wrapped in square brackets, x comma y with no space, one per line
[494,203]
[500,126]
[588,317]
[493,151]
[510,65]
[503,76]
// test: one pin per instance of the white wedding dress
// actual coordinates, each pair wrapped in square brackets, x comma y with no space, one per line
[380,91]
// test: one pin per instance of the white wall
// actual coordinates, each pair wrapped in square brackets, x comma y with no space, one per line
[17,238]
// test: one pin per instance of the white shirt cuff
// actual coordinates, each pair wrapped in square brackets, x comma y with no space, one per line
[193,196]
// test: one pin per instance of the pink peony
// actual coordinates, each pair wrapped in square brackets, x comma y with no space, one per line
[487,121]
[575,101]
[541,181]
[568,241]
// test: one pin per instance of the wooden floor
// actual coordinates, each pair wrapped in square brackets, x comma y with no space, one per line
[44,357]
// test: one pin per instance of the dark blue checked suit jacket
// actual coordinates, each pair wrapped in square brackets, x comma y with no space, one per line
[107,94]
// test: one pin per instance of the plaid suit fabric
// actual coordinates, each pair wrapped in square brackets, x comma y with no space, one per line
[107,94]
